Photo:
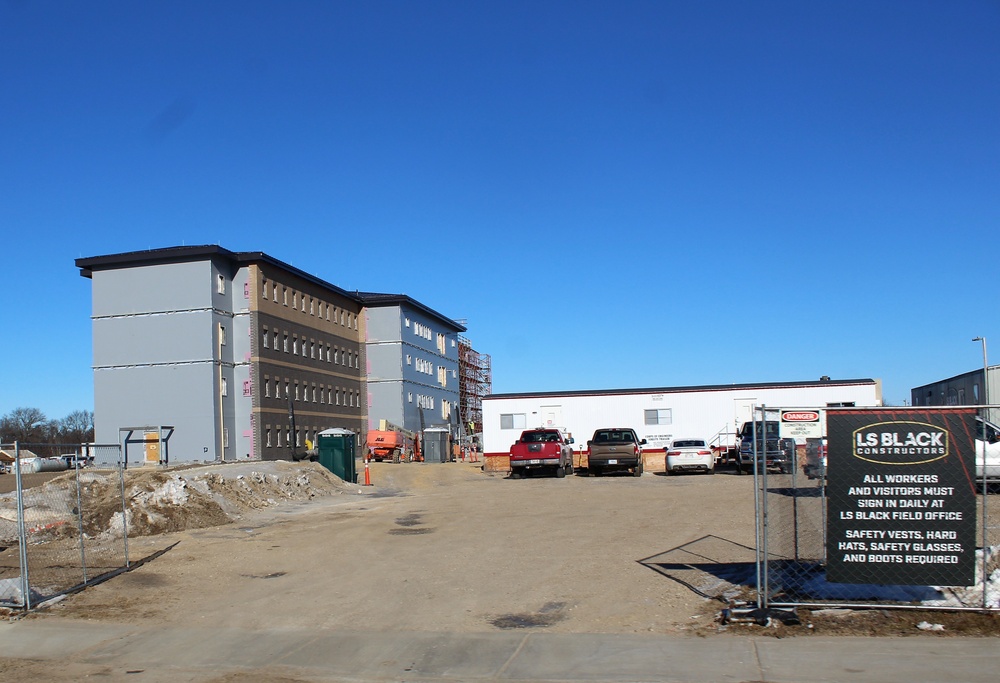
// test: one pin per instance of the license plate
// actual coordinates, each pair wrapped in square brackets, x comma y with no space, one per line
[534,462]
[612,462]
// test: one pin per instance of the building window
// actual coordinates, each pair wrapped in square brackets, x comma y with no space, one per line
[295,346]
[275,340]
[295,299]
[267,387]
[663,416]
[263,288]
[267,437]
[407,322]
[409,397]
[225,437]
[220,284]
[247,388]
[222,335]
[312,306]
[284,342]
[327,353]
[440,344]
[409,359]
[264,337]
[512,421]
[224,387]
[296,391]
[284,296]
[312,349]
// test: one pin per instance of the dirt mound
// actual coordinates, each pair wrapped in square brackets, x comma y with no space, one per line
[164,500]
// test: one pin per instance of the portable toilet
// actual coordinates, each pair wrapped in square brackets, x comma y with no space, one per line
[436,444]
[336,453]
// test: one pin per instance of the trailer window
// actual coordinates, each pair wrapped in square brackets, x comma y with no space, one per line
[663,416]
[512,421]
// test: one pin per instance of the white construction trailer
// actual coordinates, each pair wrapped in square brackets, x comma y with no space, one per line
[659,415]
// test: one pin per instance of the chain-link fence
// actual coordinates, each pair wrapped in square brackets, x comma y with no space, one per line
[62,520]
[886,507]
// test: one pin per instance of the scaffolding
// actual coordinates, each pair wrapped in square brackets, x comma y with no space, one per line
[475,381]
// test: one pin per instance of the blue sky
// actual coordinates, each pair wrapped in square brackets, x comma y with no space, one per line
[612,194]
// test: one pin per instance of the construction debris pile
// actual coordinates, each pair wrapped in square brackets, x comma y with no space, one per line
[163,500]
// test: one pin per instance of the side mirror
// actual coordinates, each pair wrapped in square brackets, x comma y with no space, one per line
[589,443]
[570,440]
[642,443]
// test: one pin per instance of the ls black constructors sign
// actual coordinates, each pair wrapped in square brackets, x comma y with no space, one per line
[902,498]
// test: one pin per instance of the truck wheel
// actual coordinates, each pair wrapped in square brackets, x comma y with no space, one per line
[560,472]
[637,470]
[594,472]
[515,475]
[395,457]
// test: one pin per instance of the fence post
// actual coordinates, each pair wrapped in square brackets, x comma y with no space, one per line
[121,479]
[79,518]
[22,531]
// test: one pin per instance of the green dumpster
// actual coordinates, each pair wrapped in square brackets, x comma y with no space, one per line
[336,453]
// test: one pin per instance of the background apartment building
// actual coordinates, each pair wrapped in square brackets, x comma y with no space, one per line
[412,363]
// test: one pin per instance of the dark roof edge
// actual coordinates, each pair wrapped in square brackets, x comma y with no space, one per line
[676,390]
[89,264]
[377,300]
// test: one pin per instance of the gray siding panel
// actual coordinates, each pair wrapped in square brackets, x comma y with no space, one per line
[145,339]
[178,395]
[154,288]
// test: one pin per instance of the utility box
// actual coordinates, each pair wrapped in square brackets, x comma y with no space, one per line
[336,453]
[436,441]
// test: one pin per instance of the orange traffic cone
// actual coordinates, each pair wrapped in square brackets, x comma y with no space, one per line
[368,477]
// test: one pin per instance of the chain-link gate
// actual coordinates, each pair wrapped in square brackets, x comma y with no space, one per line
[62,520]
[883,507]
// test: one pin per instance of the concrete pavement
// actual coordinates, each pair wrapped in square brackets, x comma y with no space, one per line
[144,653]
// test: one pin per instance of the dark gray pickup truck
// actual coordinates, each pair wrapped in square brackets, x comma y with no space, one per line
[615,448]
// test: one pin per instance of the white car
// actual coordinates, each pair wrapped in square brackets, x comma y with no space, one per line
[987,451]
[690,455]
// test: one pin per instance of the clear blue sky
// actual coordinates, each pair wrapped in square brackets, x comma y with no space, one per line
[612,194]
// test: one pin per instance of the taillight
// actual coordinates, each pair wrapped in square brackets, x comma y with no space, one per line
[704,452]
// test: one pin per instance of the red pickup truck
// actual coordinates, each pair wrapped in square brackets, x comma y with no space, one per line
[545,450]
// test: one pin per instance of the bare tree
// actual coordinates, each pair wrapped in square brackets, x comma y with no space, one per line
[23,424]
[77,427]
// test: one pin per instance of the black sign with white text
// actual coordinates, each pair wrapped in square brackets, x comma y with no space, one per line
[902,497]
